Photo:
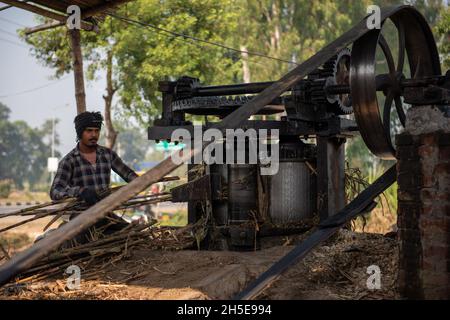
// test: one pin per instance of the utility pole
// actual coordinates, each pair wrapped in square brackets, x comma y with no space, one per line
[53,146]
[77,57]
[52,162]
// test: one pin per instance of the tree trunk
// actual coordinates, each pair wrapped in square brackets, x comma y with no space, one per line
[245,66]
[277,27]
[77,57]
[111,134]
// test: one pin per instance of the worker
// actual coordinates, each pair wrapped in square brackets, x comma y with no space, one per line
[86,170]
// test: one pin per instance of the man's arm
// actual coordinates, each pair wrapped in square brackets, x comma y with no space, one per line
[121,168]
[60,187]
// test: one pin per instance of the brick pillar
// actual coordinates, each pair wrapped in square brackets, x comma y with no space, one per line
[423,170]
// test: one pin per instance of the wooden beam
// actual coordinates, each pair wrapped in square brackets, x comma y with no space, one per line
[77,57]
[60,6]
[49,14]
[42,27]
[84,14]
[101,8]
[7,7]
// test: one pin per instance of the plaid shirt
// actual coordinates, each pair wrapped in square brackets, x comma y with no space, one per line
[75,172]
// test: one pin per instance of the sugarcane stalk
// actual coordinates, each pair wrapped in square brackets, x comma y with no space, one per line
[39,206]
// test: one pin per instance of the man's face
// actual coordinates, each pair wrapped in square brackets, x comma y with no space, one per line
[90,136]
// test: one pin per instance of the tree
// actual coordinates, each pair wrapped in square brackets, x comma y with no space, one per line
[135,58]
[23,152]
[442,31]
[290,30]
[52,48]
[146,56]
[131,144]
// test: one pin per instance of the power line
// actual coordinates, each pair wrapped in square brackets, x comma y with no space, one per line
[13,22]
[193,43]
[185,36]
[10,33]
[34,89]
[13,42]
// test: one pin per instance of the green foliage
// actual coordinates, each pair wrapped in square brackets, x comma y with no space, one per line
[23,152]
[132,143]
[52,48]
[442,31]
[5,188]
[178,219]
[145,57]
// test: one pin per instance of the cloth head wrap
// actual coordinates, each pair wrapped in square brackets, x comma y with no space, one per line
[87,119]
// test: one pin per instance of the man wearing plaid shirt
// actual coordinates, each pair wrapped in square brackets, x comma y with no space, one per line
[86,170]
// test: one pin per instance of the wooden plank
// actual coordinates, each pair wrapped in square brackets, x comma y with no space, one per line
[44,26]
[104,7]
[84,14]
[46,13]
[88,8]
[60,5]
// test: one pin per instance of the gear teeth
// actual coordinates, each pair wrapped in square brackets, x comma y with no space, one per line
[215,101]
[324,76]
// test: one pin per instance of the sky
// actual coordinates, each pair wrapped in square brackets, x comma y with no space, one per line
[27,87]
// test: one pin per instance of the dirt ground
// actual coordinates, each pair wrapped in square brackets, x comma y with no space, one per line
[335,270]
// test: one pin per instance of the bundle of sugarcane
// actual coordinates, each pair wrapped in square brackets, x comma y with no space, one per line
[93,257]
[70,206]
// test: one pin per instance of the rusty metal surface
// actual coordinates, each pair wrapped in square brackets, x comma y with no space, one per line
[199,189]
[241,192]
[330,175]
[418,43]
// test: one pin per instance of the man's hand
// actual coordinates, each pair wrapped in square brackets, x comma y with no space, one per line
[89,196]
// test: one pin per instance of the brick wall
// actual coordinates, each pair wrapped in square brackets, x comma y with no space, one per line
[424,215]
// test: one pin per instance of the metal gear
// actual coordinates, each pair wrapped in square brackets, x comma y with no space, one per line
[335,71]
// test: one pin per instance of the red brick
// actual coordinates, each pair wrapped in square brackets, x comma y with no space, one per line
[404,139]
[406,153]
[431,138]
[435,251]
[429,180]
[434,265]
[444,153]
[444,139]
[428,152]
[436,293]
[442,169]
[408,195]
[407,180]
[443,197]
[433,228]
[428,194]
[409,166]
[444,182]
